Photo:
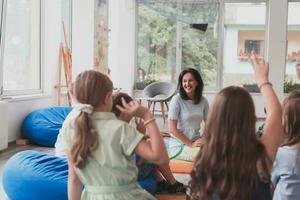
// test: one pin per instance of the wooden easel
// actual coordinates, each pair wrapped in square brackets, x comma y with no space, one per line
[64,58]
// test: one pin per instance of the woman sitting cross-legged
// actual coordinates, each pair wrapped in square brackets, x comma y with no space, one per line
[188,108]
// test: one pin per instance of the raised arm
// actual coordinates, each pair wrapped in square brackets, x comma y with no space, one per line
[153,150]
[273,131]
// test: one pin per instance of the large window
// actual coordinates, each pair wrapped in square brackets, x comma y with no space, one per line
[21,47]
[244,31]
[177,35]
[293,48]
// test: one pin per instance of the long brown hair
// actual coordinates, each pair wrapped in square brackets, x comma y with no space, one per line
[227,163]
[291,118]
[91,87]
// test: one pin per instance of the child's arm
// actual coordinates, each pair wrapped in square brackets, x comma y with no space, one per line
[272,136]
[153,150]
[74,184]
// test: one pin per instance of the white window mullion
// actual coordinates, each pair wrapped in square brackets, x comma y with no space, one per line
[178,46]
[221,45]
[276,46]
[3,6]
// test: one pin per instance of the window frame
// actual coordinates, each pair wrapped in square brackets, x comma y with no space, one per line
[1,46]
[3,92]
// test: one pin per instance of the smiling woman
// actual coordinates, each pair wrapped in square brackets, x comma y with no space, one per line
[188,108]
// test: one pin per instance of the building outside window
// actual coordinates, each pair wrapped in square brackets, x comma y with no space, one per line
[244,34]
[292,80]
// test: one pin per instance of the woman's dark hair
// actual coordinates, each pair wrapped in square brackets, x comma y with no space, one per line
[91,87]
[199,88]
[227,163]
[117,100]
[291,118]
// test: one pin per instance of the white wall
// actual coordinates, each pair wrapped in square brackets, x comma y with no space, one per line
[121,55]
[82,36]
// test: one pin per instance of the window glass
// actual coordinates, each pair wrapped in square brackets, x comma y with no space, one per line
[156,59]
[21,59]
[292,75]
[244,34]
[176,35]
[200,40]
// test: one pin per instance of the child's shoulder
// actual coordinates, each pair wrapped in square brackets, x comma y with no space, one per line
[120,123]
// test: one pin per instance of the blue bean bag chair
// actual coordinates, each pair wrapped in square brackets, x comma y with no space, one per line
[32,175]
[42,126]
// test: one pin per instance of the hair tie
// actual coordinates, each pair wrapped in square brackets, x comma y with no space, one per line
[87,108]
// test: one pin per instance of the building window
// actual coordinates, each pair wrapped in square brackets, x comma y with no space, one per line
[292,75]
[244,34]
[22,47]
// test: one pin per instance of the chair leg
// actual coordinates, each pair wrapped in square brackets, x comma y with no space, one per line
[167,105]
[149,104]
[153,107]
[163,111]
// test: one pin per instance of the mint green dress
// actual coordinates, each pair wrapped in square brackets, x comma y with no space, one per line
[111,173]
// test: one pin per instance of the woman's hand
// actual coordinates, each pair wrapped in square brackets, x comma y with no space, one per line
[198,143]
[261,69]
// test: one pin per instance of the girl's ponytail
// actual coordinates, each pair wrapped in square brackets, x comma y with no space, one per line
[91,88]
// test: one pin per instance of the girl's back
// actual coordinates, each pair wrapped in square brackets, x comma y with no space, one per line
[111,170]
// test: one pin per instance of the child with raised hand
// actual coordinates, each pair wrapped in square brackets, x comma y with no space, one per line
[233,163]
[101,148]
[286,169]
[144,169]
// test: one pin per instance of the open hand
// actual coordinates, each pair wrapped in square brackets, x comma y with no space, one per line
[133,108]
[261,69]
[198,143]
